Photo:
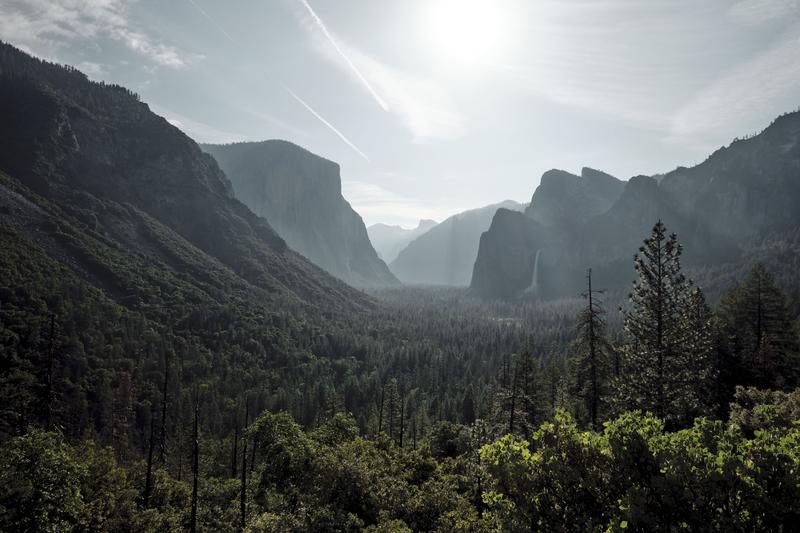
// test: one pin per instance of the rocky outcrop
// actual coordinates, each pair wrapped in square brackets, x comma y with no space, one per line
[446,254]
[389,241]
[741,194]
[518,240]
[300,195]
[566,200]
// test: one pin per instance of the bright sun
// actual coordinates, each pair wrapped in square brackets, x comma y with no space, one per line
[470,32]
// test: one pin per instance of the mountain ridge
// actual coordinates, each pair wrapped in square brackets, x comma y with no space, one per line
[390,240]
[749,177]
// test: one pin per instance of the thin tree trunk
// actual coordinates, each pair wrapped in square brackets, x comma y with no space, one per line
[235,458]
[380,409]
[50,359]
[148,482]
[162,444]
[195,468]
[243,495]
[402,420]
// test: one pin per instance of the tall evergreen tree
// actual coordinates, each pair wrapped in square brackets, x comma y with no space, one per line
[700,349]
[759,343]
[656,373]
[589,368]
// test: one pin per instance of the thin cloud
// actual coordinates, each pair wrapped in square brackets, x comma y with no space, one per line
[46,26]
[755,12]
[328,124]
[318,22]
[424,107]
[212,21]
[743,100]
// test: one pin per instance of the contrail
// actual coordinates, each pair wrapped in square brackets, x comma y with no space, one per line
[212,21]
[330,126]
[333,42]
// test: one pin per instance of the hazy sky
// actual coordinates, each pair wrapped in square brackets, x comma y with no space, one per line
[435,106]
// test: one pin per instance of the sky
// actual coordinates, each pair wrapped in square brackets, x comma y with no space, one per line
[432,107]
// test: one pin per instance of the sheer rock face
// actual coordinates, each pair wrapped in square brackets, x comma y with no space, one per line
[300,195]
[741,194]
[517,239]
[445,255]
[389,241]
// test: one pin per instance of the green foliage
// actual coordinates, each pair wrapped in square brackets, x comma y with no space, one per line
[634,475]
[40,484]
[706,477]
[756,409]
[666,358]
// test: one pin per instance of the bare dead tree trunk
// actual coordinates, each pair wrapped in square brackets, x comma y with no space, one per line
[50,361]
[243,496]
[148,482]
[195,466]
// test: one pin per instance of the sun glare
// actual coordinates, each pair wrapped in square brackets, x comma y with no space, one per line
[469,32]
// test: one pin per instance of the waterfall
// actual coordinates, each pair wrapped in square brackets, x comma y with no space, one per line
[534,286]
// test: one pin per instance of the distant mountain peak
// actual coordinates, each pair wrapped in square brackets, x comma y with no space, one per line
[426,223]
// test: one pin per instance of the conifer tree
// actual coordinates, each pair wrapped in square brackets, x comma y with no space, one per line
[759,344]
[700,349]
[589,367]
[656,373]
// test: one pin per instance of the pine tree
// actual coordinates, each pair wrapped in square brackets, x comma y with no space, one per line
[589,366]
[656,373]
[759,344]
[700,349]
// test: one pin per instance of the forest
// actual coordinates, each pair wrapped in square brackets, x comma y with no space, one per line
[168,362]
[652,411]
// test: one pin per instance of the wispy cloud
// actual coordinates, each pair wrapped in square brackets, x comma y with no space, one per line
[328,124]
[45,26]
[342,55]
[212,21]
[423,106]
[754,12]
[742,100]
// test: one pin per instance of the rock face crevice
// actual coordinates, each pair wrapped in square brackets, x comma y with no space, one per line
[300,195]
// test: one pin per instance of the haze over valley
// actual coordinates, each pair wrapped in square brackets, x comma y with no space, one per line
[399,266]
